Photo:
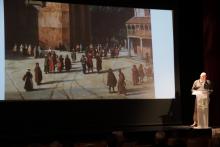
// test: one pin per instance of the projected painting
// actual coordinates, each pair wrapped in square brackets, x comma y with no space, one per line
[70,52]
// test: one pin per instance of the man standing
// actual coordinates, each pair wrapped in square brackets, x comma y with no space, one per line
[201,86]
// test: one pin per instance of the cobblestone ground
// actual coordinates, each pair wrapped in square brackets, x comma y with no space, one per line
[74,84]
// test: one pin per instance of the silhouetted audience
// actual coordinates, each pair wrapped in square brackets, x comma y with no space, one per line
[160,139]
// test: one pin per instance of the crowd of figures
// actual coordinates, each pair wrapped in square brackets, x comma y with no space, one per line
[138,75]
[112,82]
[27,51]
[56,63]
[28,86]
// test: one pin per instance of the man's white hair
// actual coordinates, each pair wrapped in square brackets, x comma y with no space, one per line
[202,74]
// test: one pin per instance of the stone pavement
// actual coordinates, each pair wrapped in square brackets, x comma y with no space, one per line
[74,84]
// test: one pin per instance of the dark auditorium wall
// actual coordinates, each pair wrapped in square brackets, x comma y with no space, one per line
[199,33]
[211,55]
[190,51]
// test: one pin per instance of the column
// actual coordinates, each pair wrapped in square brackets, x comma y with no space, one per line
[141,45]
[129,49]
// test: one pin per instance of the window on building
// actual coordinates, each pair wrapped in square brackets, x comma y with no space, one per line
[139,12]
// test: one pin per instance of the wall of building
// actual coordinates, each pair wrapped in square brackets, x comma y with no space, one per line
[21,24]
[54,25]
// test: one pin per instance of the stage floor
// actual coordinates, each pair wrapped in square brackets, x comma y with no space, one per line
[171,131]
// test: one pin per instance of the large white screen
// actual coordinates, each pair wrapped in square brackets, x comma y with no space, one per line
[2,52]
[163,53]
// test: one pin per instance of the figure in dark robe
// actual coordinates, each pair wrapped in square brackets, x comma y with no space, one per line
[67,63]
[83,62]
[135,75]
[46,64]
[89,61]
[141,73]
[60,63]
[38,74]
[28,86]
[111,80]
[121,83]
[98,63]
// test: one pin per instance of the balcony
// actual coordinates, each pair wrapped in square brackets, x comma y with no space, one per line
[139,34]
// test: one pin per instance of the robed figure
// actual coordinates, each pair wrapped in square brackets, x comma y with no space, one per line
[141,73]
[67,63]
[83,62]
[121,83]
[46,64]
[89,61]
[111,80]
[38,74]
[135,75]
[60,63]
[98,62]
[28,85]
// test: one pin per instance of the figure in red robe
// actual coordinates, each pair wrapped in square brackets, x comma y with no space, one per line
[135,75]
[89,61]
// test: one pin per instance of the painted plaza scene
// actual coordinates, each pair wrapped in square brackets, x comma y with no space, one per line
[60,51]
